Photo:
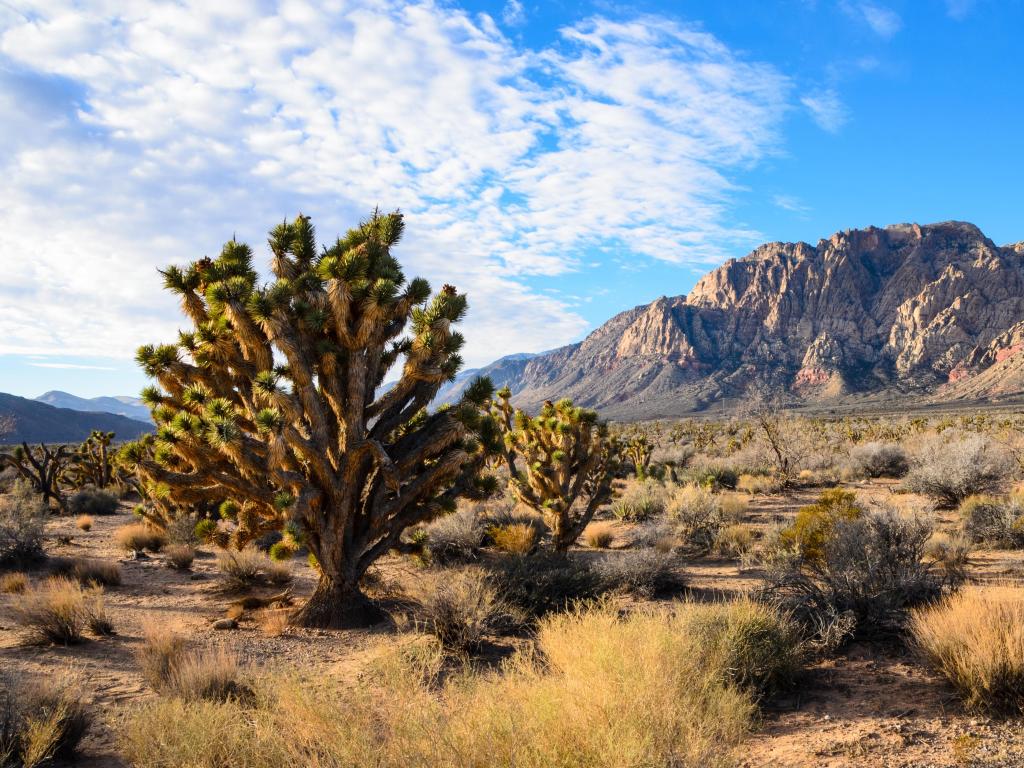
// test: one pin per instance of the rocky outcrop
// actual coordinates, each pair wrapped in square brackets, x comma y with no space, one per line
[907,310]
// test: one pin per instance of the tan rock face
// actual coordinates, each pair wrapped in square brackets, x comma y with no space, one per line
[904,309]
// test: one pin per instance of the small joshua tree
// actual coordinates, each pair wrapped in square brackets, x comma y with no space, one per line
[568,462]
[42,469]
[92,462]
[274,402]
[637,448]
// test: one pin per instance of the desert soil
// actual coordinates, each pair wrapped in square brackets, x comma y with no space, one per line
[874,705]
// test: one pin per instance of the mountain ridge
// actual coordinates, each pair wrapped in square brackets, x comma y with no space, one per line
[903,312]
[36,422]
[123,405]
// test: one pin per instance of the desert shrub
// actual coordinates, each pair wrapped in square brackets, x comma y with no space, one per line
[876,459]
[84,523]
[872,566]
[243,569]
[814,524]
[640,502]
[160,651]
[714,476]
[456,537]
[641,572]
[660,534]
[515,538]
[41,721]
[13,583]
[697,514]
[734,540]
[998,522]
[139,536]
[599,535]
[460,609]
[182,530]
[759,648]
[22,525]
[758,484]
[950,470]
[734,507]
[93,501]
[96,617]
[53,612]
[951,554]
[602,691]
[975,638]
[543,582]
[180,556]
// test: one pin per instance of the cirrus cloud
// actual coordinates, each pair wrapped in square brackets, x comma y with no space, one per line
[145,133]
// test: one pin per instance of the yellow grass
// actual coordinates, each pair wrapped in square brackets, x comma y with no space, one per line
[516,538]
[13,583]
[599,535]
[84,522]
[975,638]
[647,690]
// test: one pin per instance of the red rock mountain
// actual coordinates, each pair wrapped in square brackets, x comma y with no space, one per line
[929,312]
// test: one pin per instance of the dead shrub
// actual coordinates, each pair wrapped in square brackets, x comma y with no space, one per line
[456,538]
[93,501]
[53,612]
[995,521]
[84,523]
[243,569]
[734,541]
[877,459]
[22,525]
[460,610]
[644,573]
[949,469]
[544,582]
[160,651]
[13,583]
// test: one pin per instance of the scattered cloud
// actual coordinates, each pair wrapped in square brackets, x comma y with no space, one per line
[147,134]
[883,21]
[513,14]
[826,109]
[790,203]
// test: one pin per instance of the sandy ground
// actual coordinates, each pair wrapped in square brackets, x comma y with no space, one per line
[871,706]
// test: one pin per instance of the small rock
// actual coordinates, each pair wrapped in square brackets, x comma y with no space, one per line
[225,624]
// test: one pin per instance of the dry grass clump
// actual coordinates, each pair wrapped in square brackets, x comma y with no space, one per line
[599,535]
[758,484]
[457,537]
[242,569]
[180,556]
[950,553]
[460,609]
[84,523]
[13,583]
[58,611]
[975,638]
[602,691]
[88,570]
[274,622]
[40,722]
[515,538]
[734,541]
[173,670]
[697,513]
[951,469]
[137,537]
[544,582]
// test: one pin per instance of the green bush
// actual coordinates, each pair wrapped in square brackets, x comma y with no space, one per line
[815,523]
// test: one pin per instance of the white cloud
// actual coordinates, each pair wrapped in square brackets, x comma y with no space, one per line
[883,21]
[148,133]
[959,9]
[513,14]
[790,203]
[826,109]
[73,366]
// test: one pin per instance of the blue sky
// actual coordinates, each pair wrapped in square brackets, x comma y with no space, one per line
[560,161]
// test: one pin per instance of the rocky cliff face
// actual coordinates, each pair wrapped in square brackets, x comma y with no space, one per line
[907,310]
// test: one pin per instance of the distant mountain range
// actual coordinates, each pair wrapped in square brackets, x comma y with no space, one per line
[929,314]
[125,405]
[37,422]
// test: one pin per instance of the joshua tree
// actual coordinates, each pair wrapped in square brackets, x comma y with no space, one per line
[274,401]
[568,463]
[41,468]
[92,463]
[638,450]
